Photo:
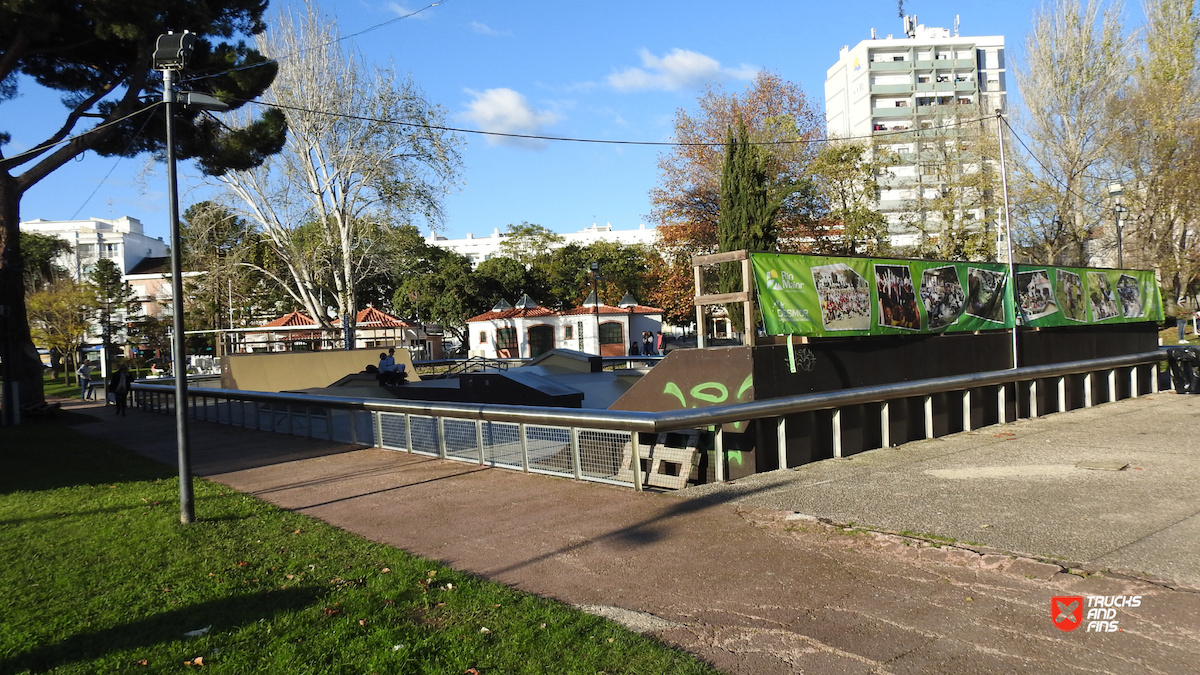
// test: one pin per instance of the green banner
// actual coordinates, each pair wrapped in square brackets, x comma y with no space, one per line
[839,296]
[1071,296]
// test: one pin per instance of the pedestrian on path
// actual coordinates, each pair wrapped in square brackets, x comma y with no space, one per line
[120,385]
[85,382]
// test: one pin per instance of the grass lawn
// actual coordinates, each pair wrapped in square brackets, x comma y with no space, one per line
[100,577]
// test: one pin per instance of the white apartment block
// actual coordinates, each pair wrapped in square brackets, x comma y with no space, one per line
[479,249]
[925,77]
[121,240]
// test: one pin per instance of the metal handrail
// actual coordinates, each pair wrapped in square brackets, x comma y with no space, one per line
[674,420]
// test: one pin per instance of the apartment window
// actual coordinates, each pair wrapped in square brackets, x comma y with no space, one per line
[568,332]
[922,79]
[483,337]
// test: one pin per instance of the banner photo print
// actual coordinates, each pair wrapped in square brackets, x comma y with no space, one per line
[826,296]
[832,296]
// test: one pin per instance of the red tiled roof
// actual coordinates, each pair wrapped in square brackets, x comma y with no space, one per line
[373,318]
[514,314]
[607,309]
[576,311]
[293,319]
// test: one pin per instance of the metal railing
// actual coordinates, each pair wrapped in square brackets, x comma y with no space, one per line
[599,445]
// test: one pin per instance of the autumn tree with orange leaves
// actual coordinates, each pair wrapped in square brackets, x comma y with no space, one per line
[686,202]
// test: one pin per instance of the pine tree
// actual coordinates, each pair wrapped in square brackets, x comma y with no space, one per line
[114,304]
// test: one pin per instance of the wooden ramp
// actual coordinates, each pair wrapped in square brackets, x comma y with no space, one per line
[670,462]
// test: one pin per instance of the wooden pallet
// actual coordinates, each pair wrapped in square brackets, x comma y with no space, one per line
[664,466]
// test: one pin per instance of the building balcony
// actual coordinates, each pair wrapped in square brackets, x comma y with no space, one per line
[964,64]
[891,88]
[890,66]
[906,111]
[965,85]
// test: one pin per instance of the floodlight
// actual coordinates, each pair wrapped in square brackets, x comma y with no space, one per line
[173,50]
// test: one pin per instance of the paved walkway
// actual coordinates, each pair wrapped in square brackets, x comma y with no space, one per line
[733,574]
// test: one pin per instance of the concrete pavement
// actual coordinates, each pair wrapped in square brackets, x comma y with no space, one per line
[734,574]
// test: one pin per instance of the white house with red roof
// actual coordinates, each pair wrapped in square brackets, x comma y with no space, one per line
[372,328]
[528,330]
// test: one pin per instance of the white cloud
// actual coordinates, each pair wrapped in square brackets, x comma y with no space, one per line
[678,69]
[484,29]
[506,111]
[402,10]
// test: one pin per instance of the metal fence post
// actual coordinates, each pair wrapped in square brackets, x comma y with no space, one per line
[479,439]
[719,451]
[1087,390]
[408,444]
[1002,403]
[885,425]
[781,440]
[1134,385]
[1112,385]
[1154,378]
[524,447]
[573,433]
[1062,394]
[928,416]
[636,460]
[966,409]
[441,433]
[837,432]
[1033,396]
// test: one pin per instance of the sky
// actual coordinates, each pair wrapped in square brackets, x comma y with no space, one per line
[611,70]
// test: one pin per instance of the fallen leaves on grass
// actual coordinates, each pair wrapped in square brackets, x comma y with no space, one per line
[197,662]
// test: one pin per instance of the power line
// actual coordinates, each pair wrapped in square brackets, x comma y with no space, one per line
[114,166]
[1047,169]
[46,146]
[321,46]
[599,141]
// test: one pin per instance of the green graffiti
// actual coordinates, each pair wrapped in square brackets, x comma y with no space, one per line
[734,456]
[746,384]
[709,392]
[674,390]
[699,390]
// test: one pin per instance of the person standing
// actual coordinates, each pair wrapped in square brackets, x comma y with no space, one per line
[85,382]
[120,384]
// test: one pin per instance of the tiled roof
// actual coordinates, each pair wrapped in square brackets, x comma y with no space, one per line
[514,314]
[607,309]
[293,319]
[577,311]
[373,318]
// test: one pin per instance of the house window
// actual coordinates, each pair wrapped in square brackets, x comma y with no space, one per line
[568,332]
[483,337]
[506,338]
[612,333]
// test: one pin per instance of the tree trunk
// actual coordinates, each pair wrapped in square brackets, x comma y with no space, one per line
[21,362]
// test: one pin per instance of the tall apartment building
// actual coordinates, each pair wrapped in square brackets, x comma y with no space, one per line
[479,249]
[908,94]
[121,240]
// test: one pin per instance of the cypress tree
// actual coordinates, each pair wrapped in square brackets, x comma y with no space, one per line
[747,219]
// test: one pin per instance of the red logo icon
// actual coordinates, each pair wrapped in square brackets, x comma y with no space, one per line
[1067,611]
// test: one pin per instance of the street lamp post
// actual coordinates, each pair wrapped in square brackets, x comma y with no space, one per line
[171,53]
[595,267]
[1115,190]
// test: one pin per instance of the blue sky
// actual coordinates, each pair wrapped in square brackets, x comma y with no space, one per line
[614,70]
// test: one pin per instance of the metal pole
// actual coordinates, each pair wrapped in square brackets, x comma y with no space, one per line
[1012,263]
[187,509]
